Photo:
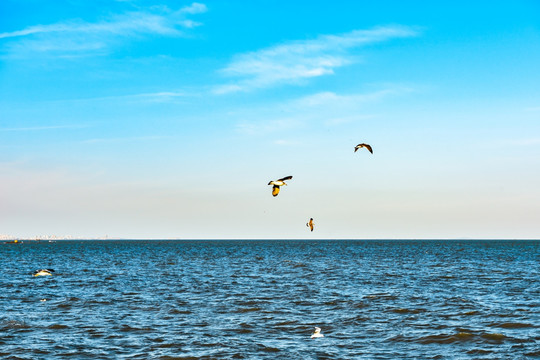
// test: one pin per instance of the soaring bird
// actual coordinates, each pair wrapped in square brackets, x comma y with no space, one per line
[43,272]
[317,333]
[310,224]
[367,146]
[277,184]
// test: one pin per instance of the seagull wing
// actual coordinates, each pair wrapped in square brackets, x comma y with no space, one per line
[369,148]
[285,178]
[275,190]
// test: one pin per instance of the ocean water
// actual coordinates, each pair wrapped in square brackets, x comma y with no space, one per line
[262,299]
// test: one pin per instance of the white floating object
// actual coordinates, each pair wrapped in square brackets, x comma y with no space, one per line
[317,333]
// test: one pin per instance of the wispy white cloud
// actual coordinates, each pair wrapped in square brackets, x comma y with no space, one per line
[125,139]
[295,61]
[40,128]
[326,109]
[150,97]
[155,97]
[195,8]
[329,98]
[73,37]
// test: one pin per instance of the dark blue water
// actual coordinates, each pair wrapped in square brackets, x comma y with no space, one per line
[262,299]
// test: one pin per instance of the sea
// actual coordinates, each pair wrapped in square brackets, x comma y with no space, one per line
[262,299]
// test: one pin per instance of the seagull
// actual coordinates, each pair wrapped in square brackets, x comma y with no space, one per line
[43,272]
[367,146]
[317,333]
[310,224]
[277,184]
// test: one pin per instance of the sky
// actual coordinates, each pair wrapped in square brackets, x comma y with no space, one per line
[167,119]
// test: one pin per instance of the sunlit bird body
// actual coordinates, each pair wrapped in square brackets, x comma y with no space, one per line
[367,146]
[278,183]
[43,272]
[309,224]
[317,333]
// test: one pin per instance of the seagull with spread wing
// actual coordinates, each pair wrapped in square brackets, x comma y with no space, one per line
[278,183]
[367,146]
[310,224]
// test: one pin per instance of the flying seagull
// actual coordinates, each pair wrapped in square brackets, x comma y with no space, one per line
[277,184]
[367,146]
[310,224]
[43,272]
[317,333]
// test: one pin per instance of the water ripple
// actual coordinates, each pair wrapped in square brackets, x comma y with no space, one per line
[262,299]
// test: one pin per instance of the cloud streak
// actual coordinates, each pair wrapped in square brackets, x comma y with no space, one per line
[41,128]
[327,109]
[125,139]
[76,36]
[295,61]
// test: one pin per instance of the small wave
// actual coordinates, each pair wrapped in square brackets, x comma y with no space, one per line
[64,306]
[169,345]
[203,344]
[383,296]
[98,302]
[14,324]
[182,312]
[479,352]
[511,325]
[496,337]
[242,331]
[461,336]
[265,348]
[334,302]
[288,322]
[447,339]
[57,327]
[246,310]
[127,328]
[359,305]
[408,311]
[248,303]
[533,354]
[447,277]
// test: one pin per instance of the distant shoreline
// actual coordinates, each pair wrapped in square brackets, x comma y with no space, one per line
[259,239]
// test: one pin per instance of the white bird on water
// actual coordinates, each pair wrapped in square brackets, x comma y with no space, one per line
[43,272]
[317,333]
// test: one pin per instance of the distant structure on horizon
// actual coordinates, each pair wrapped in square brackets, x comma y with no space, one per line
[51,237]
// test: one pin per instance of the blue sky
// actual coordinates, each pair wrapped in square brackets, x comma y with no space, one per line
[167,119]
